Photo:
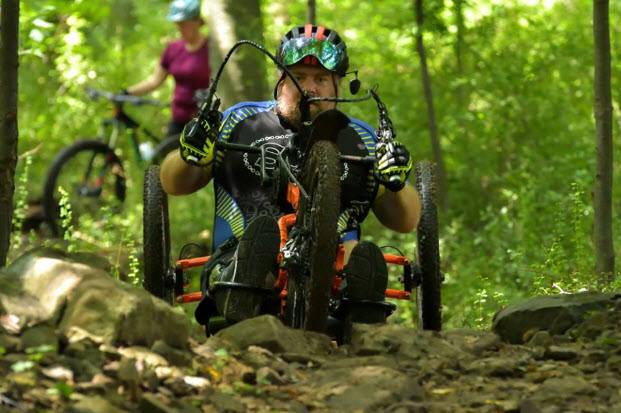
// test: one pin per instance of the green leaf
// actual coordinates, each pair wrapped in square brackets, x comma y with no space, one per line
[22,366]
[221,352]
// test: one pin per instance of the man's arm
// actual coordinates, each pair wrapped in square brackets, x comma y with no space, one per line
[180,178]
[399,211]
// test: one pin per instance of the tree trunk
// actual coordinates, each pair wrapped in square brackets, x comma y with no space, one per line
[244,77]
[459,36]
[311,14]
[602,108]
[433,129]
[9,24]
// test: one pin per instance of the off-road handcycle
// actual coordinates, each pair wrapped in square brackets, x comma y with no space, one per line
[309,283]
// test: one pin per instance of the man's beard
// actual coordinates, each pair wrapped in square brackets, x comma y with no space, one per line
[289,111]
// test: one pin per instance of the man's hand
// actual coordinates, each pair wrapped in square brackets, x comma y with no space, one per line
[393,165]
[197,142]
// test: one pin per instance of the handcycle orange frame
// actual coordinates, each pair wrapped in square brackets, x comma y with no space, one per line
[284,224]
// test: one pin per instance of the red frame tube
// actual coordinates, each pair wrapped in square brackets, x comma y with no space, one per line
[284,223]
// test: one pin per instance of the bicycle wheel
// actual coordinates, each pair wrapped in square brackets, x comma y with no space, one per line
[428,292]
[308,290]
[93,177]
[158,278]
[167,145]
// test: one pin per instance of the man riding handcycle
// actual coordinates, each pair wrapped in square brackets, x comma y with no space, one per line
[294,178]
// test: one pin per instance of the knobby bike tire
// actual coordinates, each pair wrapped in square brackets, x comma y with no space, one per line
[428,251]
[156,237]
[50,202]
[318,215]
[167,145]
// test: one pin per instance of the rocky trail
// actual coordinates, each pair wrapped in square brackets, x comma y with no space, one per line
[73,339]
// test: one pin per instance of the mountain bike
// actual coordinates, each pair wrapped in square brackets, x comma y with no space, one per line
[311,260]
[90,171]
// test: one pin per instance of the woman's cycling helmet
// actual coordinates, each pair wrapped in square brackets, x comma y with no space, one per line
[181,10]
[314,45]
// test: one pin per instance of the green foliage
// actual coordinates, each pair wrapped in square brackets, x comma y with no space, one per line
[21,204]
[37,353]
[66,219]
[61,389]
[21,366]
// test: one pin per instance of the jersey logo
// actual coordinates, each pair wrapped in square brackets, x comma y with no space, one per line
[274,146]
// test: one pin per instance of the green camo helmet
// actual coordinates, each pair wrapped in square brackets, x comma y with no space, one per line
[181,10]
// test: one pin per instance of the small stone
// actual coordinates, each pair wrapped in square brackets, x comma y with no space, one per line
[129,376]
[94,404]
[566,386]
[150,380]
[496,367]
[178,386]
[173,355]
[10,343]
[58,373]
[226,403]
[40,335]
[541,339]
[266,375]
[614,363]
[144,356]
[22,379]
[561,353]
[151,403]
[305,359]
[489,342]
[595,355]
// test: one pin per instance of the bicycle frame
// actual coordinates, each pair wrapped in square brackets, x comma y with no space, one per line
[112,128]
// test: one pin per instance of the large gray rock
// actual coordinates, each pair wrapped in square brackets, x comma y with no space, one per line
[75,293]
[555,314]
[269,332]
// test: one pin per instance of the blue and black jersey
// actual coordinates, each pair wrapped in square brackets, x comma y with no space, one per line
[237,175]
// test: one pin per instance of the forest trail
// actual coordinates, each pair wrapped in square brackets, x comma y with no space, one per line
[74,339]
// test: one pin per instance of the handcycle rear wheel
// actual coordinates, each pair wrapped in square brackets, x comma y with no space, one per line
[91,174]
[156,238]
[308,289]
[428,251]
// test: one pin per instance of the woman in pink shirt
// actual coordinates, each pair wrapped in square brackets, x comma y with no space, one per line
[186,59]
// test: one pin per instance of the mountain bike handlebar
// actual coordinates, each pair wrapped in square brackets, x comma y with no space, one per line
[120,99]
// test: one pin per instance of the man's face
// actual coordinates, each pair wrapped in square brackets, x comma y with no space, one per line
[316,81]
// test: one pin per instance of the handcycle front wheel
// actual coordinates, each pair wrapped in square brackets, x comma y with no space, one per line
[428,251]
[308,288]
[156,237]
[163,148]
[92,176]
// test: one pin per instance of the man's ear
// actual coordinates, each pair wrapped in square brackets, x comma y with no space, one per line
[279,83]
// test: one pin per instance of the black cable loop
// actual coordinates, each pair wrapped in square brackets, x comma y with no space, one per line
[394,248]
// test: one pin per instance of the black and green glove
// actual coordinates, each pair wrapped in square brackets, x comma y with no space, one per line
[197,142]
[394,165]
